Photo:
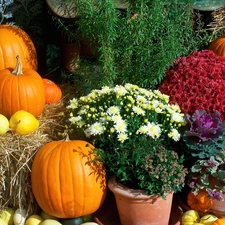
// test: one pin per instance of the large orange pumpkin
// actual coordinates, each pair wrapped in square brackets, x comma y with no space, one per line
[14,41]
[65,181]
[200,202]
[218,46]
[53,93]
[21,89]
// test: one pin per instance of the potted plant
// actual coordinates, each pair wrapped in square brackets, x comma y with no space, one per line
[133,130]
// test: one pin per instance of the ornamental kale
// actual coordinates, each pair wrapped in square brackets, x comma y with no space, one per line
[204,133]
[209,174]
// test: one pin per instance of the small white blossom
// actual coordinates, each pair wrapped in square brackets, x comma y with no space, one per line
[174,134]
[122,137]
[96,129]
[121,126]
[113,110]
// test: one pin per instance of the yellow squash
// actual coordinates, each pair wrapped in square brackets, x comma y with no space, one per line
[23,122]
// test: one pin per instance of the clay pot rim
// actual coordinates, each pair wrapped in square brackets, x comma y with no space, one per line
[122,190]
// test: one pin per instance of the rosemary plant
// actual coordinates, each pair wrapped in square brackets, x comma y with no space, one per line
[138,43]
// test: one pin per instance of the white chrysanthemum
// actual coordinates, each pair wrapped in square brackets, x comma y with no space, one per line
[153,130]
[174,134]
[75,119]
[116,118]
[73,104]
[140,98]
[122,137]
[106,90]
[155,104]
[96,128]
[120,90]
[143,129]
[121,126]
[113,110]
[177,117]
[138,110]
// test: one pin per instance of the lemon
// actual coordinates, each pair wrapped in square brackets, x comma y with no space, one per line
[34,220]
[23,122]
[208,219]
[7,215]
[4,124]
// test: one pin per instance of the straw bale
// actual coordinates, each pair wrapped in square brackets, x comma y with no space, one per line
[16,156]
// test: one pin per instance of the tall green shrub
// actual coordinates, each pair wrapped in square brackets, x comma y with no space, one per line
[139,43]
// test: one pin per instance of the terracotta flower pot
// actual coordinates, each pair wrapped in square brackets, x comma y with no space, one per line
[136,208]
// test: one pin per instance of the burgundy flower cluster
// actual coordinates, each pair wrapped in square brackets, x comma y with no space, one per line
[197,82]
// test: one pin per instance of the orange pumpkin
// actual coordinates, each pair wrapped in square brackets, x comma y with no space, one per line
[21,89]
[65,181]
[14,41]
[200,202]
[220,221]
[218,46]
[53,93]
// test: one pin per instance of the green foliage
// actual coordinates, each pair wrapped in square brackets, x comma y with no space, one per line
[139,43]
[28,14]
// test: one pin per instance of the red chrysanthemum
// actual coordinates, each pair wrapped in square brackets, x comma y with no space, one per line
[197,82]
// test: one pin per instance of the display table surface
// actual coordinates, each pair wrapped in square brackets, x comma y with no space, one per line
[108,214]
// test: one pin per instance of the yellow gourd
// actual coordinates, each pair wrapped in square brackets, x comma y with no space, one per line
[208,219]
[34,220]
[190,217]
[7,215]
[4,124]
[2,222]
[23,122]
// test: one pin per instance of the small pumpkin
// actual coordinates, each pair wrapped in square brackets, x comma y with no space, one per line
[53,93]
[21,89]
[15,41]
[190,217]
[220,221]
[65,181]
[218,46]
[200,202]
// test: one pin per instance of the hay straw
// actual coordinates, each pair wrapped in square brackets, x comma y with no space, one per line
[218,21]
[16,156]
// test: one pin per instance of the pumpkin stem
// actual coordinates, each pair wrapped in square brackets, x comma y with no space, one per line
[66,136]
[18,69]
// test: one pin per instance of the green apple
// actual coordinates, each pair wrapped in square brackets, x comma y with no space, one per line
[7,215]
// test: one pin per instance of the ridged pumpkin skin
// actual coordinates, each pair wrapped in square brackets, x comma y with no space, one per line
[21,92]
[200,202]
[65,182]
[53,93]
[14,41]
[220,221]
[218,46]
